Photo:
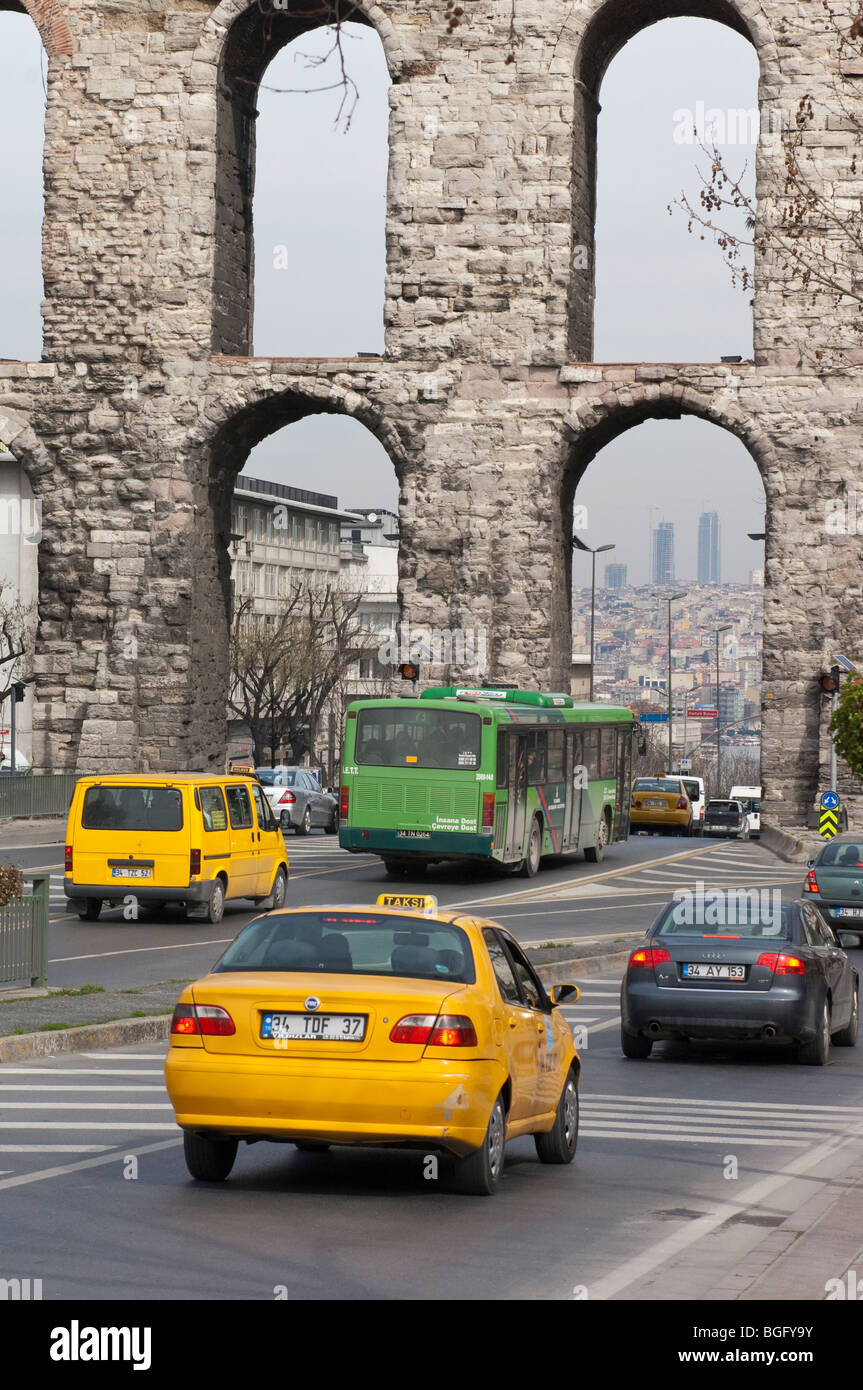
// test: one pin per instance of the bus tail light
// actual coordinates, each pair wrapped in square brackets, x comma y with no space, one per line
[194,862]
[488,810]
[344,802]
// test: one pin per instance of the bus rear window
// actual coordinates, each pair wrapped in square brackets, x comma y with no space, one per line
[410,737]
[132,808]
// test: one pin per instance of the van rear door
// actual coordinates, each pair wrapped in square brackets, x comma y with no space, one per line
[129,834]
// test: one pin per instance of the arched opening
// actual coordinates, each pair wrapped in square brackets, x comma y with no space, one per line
[23,79]
[305,580]
[301,184]
[669,508]
[645,288]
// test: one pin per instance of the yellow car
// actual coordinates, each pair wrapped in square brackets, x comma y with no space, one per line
[661,804]
[396,1024]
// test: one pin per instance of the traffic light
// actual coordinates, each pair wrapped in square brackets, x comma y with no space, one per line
[409,670]
[829,681]
[19,690]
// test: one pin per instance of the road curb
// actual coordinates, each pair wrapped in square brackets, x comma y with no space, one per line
[25,1047]
[561,972]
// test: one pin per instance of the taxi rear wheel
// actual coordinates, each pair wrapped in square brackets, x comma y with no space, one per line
[479,1173]
[209,1160]
[558,1145]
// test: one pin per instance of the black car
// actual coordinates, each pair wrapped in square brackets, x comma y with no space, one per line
[834,883]
[726,818]
[740,964]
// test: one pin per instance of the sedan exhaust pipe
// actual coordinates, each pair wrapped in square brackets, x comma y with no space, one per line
[769,1031]
[654,1026]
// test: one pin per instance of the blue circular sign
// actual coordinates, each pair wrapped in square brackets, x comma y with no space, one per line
[829,800]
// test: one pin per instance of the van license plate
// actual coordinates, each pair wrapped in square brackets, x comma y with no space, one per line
[130,872]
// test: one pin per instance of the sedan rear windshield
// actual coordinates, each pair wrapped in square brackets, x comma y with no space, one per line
[405,736]
[132,808]
[843,856]
[738,913]
[655,784]
[275,776]
[352,943]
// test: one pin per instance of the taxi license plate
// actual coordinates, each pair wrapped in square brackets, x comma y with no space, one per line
[127,871]
[654,801]
[700,970]
[313,1027]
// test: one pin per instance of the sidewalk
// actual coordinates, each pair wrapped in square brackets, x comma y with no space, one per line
[51,830]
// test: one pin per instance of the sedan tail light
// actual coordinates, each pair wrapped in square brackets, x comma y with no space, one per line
[435,1030]
[287,799]
[647,957]
[811,885]
[207,1019]
[782,964]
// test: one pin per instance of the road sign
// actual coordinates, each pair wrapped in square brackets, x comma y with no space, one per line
[702,713]
[654,719]
[828,824]
[829,801]
[684,763]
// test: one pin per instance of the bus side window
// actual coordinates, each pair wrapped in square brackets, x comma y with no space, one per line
[502,759]
[537,757]
[577,738]
[591,753]
[555,755]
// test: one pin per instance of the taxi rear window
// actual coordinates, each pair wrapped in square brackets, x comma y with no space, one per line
[655,784]
[132,808]
[352,943]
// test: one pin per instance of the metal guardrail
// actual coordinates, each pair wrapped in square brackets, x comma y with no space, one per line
[24,934]
[24,795]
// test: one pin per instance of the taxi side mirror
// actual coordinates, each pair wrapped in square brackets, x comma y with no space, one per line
[564,994]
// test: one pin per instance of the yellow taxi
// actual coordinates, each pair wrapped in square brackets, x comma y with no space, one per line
[397,1024]
[660,804]
[185,837]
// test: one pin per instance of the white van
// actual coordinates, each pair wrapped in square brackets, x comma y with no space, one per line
[750,800]
[697,794]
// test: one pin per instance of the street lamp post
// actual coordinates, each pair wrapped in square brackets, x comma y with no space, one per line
[726,627]
[593,552]
[669,601]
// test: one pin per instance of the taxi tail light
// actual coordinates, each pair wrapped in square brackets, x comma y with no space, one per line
[682,804]
[344,802]
[68,859]
[647,957]
[194,862]
[206,1019]
[435,1030]
[782,964]
[811,881]
[287,799]
[637,805]
[488,810]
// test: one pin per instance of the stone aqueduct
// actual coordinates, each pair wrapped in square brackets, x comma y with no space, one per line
[146,403]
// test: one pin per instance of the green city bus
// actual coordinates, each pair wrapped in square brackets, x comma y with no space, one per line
[484,774]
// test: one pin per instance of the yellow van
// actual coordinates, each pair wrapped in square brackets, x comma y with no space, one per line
[191,838]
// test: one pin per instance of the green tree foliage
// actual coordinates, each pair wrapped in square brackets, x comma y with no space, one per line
[846,725]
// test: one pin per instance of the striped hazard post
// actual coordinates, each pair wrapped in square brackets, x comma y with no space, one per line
[828,821]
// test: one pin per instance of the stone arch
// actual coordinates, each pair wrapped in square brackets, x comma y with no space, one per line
[50,19]
[605,32]
[239,42]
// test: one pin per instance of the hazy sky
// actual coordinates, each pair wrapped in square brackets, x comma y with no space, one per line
[662,294]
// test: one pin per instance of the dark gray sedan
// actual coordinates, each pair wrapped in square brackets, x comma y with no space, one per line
[740,964]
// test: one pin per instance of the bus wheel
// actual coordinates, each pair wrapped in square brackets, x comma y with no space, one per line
[594,853]
[530,863]
[395,868]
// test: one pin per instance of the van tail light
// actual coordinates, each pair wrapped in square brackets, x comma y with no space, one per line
[207,1019]
[194,862]
[435,1030]
[287,799]
[647,957]
[488,810]
[68,859]
[810,887]
[682,804]
[782,964]
[344,802]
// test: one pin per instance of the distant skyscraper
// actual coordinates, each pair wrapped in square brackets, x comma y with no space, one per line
[708,548]
[662,560]
[615,576]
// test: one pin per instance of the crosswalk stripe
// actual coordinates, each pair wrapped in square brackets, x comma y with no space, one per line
[83,1105]
[88,1086]
[599,1133]
[846,1111]
[54,1149]
[80,1071]
[88,1125]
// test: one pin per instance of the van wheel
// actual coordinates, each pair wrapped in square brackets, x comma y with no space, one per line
[209,1160]
[214,910]
[90,910]
[530,864]
[276,898]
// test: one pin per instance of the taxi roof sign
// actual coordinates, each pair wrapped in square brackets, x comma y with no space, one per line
[411,902]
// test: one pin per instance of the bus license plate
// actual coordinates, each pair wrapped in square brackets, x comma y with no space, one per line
[313,1027]
[698,970]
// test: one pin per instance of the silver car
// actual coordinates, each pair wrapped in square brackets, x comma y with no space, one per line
[297,800]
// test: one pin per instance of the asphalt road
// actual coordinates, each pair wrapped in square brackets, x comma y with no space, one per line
[569,900]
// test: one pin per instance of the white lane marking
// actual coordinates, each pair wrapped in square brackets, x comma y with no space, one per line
[846,1110]
[126,1056]
[22,1179]
[598,1132]
[709,1125]
[83,1105]
[90,1086]
[640,1266]
[606,907]
[140,950]
[6,1070]
[55,1148]
[86,1124]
